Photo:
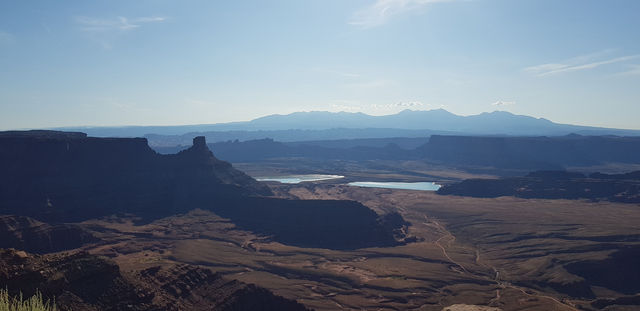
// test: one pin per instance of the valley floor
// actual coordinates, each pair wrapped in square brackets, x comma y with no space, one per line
[505,253]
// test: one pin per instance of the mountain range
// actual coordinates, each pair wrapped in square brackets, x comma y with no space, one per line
[318,125]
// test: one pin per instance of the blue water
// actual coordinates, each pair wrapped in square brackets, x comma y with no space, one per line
[424,186]
[296,179]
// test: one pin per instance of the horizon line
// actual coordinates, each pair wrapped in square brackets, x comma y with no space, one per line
[79,127]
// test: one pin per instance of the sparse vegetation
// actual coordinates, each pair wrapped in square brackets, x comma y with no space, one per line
[35,303]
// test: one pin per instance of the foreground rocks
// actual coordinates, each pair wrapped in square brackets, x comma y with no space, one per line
[81,281]
[37,237]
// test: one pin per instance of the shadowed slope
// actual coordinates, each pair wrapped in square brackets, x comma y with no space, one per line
[34,236]
[87,282]
[61,178]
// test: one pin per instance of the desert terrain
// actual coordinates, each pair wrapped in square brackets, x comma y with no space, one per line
[190,231]
[506,253]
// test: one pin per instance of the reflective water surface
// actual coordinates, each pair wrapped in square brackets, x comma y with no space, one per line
[424,186]
[296,179]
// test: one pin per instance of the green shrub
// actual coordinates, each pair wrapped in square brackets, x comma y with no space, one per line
[35,303]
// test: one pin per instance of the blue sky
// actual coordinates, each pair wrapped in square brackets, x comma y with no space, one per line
[190,62]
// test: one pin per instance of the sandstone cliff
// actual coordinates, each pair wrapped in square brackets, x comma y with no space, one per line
[59,177]
[82,281]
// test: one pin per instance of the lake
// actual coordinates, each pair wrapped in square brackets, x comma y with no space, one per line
[296,179]
[424,186]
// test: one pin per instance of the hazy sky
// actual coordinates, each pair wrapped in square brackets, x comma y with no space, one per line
[185,62]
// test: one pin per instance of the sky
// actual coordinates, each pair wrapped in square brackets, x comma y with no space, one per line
[161,62]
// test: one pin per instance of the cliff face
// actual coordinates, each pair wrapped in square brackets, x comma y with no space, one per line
[34,236]
[62,177]
[184,287]
[505,155]
[531,153]
[553,185]
[264,149]
[87,282]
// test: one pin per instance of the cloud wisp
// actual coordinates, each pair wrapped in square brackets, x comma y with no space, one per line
[405,105]
[355,106]
[346,105]
[105,30]
[119,23]
[634,70]
[584,62]
[503,103]
[382,11]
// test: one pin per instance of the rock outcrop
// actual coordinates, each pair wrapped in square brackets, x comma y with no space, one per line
[553,185]
[82,281]
[37,237]
[60,178]
[185,287]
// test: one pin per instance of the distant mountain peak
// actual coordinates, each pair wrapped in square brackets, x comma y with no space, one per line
[498,122]
[407,111]
[434,121]
[501,112]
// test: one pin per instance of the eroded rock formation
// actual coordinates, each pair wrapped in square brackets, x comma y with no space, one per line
[81,281]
